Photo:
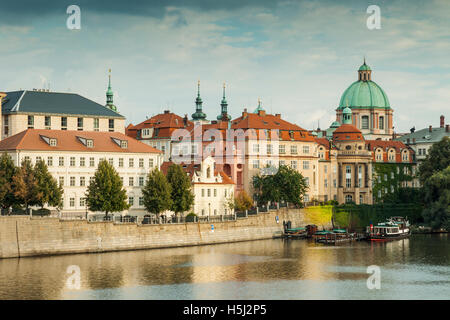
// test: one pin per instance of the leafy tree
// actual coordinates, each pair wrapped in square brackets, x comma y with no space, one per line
[105,192]
[243,201]
[286,184]
[438,158]
[7,172]
[181,192]
[25,185]
[437,199]
[48,186]
[157,192]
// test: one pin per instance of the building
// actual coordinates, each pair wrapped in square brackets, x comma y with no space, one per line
[371,111]
[421,140]
[213,189]
[42,109]
[72,158]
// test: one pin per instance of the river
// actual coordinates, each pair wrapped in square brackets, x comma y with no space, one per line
[414,268]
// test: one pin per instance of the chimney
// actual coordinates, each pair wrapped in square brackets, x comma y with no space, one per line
[244,113]
[430,128]
[442,121]
[185,120]
[166,111]
[278,115]
[262,113]
[447,129]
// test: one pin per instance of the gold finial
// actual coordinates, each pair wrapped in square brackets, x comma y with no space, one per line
[224,85]
[109,70]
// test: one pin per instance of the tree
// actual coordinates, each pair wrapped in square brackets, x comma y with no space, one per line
[157,192]
[48,186]
[25,185]
[181,192]
[286,184]
[242,201]
[7,172]
[438,158]
[105,192]
[437,199]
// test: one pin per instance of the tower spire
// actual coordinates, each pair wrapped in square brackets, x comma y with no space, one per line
[224,108]
[198,114]
[110,95]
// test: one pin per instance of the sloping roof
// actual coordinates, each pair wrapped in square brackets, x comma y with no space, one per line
[397,145]
[33,139]
[425,136]
[347,132]
[166,122]
[25,101]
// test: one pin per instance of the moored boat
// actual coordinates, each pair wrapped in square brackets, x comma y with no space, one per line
[394,228]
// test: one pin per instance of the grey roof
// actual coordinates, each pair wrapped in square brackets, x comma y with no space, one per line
[25,101]
[425,136]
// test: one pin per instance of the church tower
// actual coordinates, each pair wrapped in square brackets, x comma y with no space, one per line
[199,115]
[224,116]
[109,95]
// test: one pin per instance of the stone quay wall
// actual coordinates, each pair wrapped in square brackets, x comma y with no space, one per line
[22,236]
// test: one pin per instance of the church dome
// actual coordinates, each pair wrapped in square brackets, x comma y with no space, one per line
[364,93]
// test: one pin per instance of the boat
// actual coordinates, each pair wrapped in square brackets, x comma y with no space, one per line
[300,232]
[335,236]
[392,229]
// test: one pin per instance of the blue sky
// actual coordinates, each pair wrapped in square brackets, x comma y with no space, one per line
[297,56]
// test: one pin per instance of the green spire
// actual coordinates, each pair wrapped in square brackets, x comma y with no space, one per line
[110,94]
[224,108]
[199,114]
[260,108]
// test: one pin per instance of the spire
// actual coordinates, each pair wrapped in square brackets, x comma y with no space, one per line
[347,114]
[198,115]
[110,94]
[224,108]
[260,108]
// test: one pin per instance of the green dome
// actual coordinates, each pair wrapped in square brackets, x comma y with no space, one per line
[364,94]
[364,67]
[335,124]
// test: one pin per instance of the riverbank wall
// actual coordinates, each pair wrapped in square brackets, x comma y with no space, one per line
[22,236]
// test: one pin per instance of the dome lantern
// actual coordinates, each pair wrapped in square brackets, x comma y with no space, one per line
[364,72]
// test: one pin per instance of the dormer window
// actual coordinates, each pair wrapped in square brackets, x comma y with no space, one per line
[87,142]
[50,141]
[121,143]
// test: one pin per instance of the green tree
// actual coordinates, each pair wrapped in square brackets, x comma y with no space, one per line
[51,192]
[438,158]
[7,172]
[156,192]
[242,201]
[286,184]
[105,192]
[437,199]
[25,185]
[181,191]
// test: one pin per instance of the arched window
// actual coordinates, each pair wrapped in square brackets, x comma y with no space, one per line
[208,172]
[381,123]
[348,198]
[365,122]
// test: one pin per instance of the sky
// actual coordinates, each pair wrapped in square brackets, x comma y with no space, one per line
[298,57]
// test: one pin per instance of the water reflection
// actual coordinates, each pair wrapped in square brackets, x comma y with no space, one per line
[270,269]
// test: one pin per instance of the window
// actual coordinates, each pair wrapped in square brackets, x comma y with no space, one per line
[215,192]
[6,124]
[131,181]
[141,181]
[361,199]
[96,124]
[131,201]
[215,211]
[209,192]
[141,201]
[82,202]
[360,176]
[392,188]
[48,122]
[256,148]
[379,193]
[150,163]
[82,181]
[203,192]
[141,162]
[255,164]
[381,123]
[80,124]
[282,149]
[365,122]
[281,163]
[89,143]
[91,162]
[334,183]
[72,202]
[131,162]
[269,149]
[325,169]
[306,165]
[61,161]
[72,161]
[72,181]
[348,177]
[306,149]
[63,123]
[348,198]
[325,183]
[120,162]
[111,125]
[82,162]
[294,164]
[306,199]
[385,177]
[307,181]
[111,161]
[30,122]
[50,161]
[61,181]
[91,179]
[392,174]
[293,149]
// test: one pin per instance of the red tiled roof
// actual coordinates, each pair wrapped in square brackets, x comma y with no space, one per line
[32,139]
[347,132]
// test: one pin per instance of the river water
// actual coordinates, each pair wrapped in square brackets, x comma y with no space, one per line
[414,268]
